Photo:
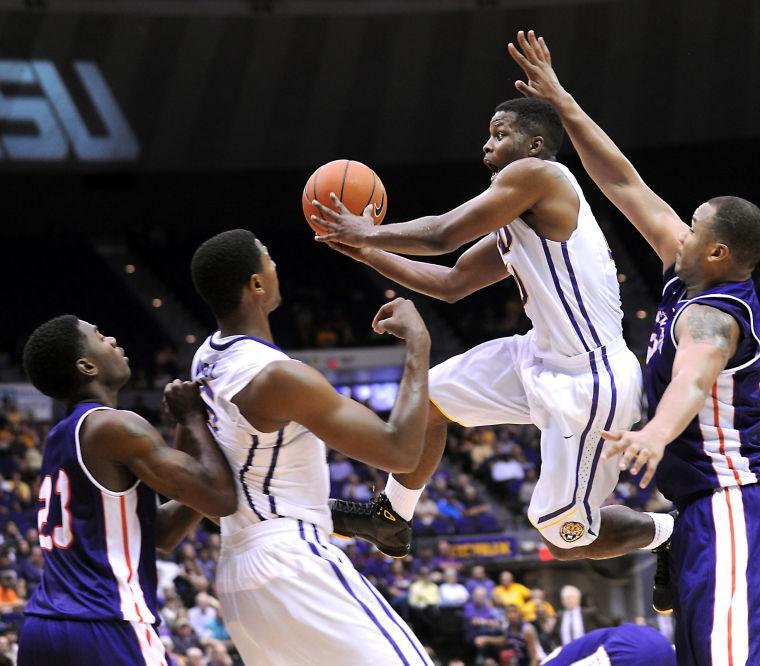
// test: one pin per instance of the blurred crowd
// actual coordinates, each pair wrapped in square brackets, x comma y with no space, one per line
[460,612]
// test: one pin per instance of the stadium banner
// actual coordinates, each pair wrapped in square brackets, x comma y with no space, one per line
[98,90]
[483,547]
[27,399]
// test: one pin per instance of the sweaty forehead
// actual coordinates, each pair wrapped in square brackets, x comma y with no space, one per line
[702,216]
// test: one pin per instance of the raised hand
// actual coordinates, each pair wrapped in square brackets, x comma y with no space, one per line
[399,318]
[534,59]
[344,227]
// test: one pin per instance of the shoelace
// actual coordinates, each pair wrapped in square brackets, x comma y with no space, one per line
[360,508]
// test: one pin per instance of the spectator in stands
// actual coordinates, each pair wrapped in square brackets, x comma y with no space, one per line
[195,657]
[340,469]
[10,601]
[425,513]
[397,589]
[184,637]
[537,602]
[218,655]
[453,593]
[424,601]
[574,620]
[517,644]
[510,593]
[355,489]
[546,630]
[478,578]
[202,614]
[480,617]
[424,593]
[445,559]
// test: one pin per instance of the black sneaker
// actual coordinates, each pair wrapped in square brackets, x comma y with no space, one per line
[374,521]
[662,594]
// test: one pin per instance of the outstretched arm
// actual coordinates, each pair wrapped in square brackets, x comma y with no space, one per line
[517,188]
[478,267]
[601,158]
[292,391]
[707,339]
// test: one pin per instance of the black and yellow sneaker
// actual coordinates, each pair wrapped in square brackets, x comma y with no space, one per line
[374,521]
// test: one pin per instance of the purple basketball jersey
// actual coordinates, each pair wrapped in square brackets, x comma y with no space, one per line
[99,545]
[721,446]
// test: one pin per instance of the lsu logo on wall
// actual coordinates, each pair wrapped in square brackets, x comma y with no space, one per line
[47,126]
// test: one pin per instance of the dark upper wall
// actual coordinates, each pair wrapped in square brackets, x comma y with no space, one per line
[290,92]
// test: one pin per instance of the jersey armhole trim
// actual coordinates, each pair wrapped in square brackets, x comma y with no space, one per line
[88,474]
[697,299]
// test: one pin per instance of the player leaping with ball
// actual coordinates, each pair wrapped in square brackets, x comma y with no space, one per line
[572,375]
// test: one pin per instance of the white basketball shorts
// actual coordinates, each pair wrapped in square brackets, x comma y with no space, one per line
[571,400]
[290,597]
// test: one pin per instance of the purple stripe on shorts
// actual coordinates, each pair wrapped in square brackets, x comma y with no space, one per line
[600,443]
[561,294]
[384,605]
[339,574]
[582,445]
[577,292]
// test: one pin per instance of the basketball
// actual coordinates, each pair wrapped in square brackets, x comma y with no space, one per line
[354,183]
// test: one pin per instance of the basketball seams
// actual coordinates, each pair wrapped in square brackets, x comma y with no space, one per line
[343,182]
[316,175]
[372,193]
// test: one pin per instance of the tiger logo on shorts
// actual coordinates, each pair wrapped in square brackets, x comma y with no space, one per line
[571,531]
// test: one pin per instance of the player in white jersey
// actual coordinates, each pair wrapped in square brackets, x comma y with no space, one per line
[571,375]
[289,597]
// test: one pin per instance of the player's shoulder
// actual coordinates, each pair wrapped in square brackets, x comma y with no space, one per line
[524,168]
[114,423]
[284,374]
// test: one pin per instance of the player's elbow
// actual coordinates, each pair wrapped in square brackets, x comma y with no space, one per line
[226,503]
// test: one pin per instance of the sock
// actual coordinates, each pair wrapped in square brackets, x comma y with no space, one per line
[403,499]
[663,528]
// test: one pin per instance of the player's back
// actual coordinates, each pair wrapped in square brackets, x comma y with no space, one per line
[721,446]
[569,289]
[98,545]
[279,474]
[626,645]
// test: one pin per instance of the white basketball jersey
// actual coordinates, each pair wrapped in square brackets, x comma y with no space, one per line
[278,474]
[569,289]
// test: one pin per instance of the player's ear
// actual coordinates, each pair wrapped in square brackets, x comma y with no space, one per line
[536,146]
[87,367]
[720,252]
[256,284]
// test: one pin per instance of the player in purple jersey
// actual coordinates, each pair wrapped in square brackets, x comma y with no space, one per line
[703,386]
[97,519]
[626,645]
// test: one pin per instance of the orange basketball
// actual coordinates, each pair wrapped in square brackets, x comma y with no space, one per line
[354,183]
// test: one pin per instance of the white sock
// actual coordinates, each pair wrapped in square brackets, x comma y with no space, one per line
[403,499]
[663,528]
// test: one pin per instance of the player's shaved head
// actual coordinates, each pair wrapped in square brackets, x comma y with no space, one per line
[536,117]
[222,266]
[736,223]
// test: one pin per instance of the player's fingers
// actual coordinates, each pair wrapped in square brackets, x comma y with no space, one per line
[368,211]
[649,475]
[327,224]
[518,57]
[338,203]
[535,50]
[612,450]
[324,209]
[640,461]
[525,89]
[525,46]
[628,455]
[608,436]
[545,50]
